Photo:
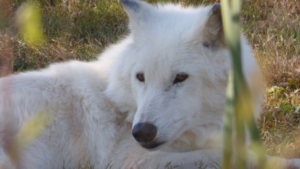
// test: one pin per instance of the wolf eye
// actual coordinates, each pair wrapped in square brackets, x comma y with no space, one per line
[180,78]
[140,77]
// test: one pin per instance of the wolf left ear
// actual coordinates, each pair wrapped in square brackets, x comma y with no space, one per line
[139,13]
[213,29]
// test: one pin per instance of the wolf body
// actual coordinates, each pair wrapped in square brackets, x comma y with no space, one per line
[156,98]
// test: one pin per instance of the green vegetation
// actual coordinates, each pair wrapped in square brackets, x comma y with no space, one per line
[239,114]
[273,29]
[78,29]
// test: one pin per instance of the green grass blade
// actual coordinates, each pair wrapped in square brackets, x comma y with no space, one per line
[227,159]
[242,113]
[232,35]
[29,19]
[30,131]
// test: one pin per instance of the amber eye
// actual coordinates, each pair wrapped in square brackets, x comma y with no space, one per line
[140,77]
[180,78]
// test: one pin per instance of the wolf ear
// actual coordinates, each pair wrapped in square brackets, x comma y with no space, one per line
[213,29]
[139,13]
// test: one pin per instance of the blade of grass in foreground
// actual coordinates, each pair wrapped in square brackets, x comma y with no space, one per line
[31,130]
[231,29]
[29,22]
[240,106]
[229,109]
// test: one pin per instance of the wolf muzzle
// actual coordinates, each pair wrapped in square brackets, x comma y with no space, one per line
[144,132]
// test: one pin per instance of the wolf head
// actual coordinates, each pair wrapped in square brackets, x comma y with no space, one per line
[173,74]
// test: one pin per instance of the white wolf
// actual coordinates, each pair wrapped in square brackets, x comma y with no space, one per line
[155,98]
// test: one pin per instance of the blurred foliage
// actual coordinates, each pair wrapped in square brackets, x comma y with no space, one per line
[239,100]
[31,130]
[28,20]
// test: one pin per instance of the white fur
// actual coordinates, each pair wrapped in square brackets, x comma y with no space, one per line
[96,104]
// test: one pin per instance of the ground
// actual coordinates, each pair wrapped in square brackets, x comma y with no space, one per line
[78,29]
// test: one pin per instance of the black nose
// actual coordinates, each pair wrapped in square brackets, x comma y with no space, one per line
[144,132]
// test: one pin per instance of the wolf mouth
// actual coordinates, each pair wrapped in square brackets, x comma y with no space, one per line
[152,145]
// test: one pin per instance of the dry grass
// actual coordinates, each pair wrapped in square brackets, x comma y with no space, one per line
[273,27]
[82,29]
[78,31]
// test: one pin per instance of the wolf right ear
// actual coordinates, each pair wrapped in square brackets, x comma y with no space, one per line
[139,13]
[213,29]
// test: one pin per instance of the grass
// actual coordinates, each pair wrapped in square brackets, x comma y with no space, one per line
[273,28]
[82,29]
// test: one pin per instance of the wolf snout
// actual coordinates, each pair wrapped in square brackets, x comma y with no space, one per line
[144,132]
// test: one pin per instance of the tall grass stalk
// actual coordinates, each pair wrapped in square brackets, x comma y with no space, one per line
[28,21]
[238,111]
[229,109]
